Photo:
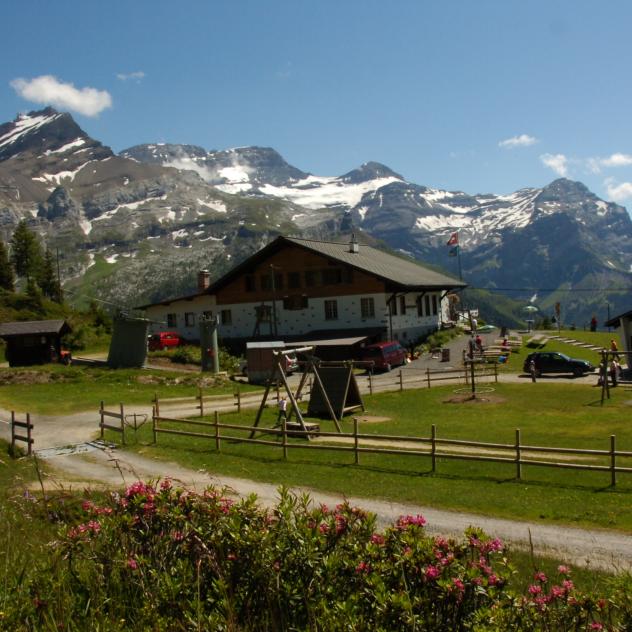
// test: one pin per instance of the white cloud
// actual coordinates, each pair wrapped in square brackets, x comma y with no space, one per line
[618,191]
[614,160]
[124,76]
[49,90]
[557,162]
[523,140]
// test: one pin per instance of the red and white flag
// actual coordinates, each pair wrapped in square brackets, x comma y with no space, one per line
[454,239]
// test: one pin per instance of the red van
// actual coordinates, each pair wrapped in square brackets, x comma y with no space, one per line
[164,340]
[385,355]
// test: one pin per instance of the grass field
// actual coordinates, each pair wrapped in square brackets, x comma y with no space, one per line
[55,389]
[547,414]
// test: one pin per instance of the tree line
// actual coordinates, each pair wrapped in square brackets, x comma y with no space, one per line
[34,265]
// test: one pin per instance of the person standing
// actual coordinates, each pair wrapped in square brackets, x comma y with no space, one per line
[282,410]
[532,369]
[614,349]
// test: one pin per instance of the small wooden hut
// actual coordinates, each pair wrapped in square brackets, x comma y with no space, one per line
[33,341]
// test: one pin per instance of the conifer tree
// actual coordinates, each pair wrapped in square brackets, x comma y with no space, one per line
[26,252]
[7,278]
[47,279]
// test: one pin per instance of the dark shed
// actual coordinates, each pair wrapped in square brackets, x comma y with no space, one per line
[33,341]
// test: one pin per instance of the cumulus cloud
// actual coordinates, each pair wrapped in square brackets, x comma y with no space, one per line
[614,160]
[48,90]
[523,140]
[556,162]
[124,76]
[618,191]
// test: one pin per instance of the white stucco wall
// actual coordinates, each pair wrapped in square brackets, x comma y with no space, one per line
[200,304]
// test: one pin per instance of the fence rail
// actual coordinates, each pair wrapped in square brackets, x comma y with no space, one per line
[505,453]
[103,425]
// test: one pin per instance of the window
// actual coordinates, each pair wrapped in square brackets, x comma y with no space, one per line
[294,303]
[266,282]
[434,304]
[207,315]
[392,303]
[367,307]
[402,304]
[227,317]
[420,306]
[250,283]
[263,313]
[331,310]
[311,278]
[172,320]
[427,305]
[347,275]
[189,319]
[332,276]
[293,280]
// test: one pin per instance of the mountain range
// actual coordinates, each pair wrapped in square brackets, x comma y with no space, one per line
[135,227]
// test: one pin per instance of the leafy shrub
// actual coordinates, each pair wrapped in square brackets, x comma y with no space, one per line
[162,558]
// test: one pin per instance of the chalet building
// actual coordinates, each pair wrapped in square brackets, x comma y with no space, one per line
[295,289]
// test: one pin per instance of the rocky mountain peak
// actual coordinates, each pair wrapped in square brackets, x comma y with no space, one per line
[370,171]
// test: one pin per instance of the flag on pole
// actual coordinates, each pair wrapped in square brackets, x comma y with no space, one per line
[454,239]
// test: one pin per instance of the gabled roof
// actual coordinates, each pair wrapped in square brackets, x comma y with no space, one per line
[614,321]
[403,273]
[33,327]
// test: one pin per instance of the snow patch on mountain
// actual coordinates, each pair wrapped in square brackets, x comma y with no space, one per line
[25,125]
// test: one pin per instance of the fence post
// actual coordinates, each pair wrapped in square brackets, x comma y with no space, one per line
[217,437]
[154,421]
[13,433]
[122,413]
[238,399]
[401,380]
[613,462]
[201,397]
[29,439]
[101,423]
[433,439]
[518,462]
[355,440]
[495,373]
[284,437]
[370,383]
[428,376]
[157,405]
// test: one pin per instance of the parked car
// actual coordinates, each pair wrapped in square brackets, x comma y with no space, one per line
[384,355]
[164,340]
[555,362]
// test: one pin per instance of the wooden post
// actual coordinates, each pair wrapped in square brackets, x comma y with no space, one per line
[473,380]
[355,440]
[13,433]
[518,461]
[401,380]
[433,438]
[201,398]
[428,376]
[310,385]
[613,462]
[370,383]
[217,437]
[495,373]
[284,437]
[122,413]
[157,405]
[238,396]
[154,422]
[101,424]
[29,438]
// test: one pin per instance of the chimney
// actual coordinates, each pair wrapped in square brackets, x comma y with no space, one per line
[204,280]
[354,246]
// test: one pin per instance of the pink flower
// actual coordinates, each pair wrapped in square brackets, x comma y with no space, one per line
[596,626]
[363,567]
[177,536]
[407,521]
[432,572]
[323,527]
[166,485]
[87,505]
[458,584]
[562,568]
[535,589]
[376,538]
[492,580]
[541,577]
[557,592]
[568,584]
[132,564]
[407,550]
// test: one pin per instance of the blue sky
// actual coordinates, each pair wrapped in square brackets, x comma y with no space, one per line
[486,96]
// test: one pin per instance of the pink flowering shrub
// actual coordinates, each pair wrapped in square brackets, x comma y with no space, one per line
[159,557]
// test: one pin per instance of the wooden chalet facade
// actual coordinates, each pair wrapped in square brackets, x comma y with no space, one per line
[299,288]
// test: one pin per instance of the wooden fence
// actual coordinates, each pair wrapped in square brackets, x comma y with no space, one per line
[120,416]
[511,454]
[200,401]
[25,425]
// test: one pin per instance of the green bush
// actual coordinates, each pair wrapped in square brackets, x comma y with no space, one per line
[162,558]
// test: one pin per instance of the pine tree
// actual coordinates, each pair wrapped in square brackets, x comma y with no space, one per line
[7,278]
[26,252]
[47,279]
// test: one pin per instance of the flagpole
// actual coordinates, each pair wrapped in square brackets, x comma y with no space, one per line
[458,256]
